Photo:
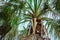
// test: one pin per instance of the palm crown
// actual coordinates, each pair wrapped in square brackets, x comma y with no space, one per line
[30,10]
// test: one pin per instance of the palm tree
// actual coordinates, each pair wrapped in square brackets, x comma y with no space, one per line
[34,13]
[29,10]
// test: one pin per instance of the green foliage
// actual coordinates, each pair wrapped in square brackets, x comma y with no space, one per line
[33,9]
[14,0]
[22,4]
[23,32]
[57,4]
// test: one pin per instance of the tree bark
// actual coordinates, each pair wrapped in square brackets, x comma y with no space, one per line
[34,25]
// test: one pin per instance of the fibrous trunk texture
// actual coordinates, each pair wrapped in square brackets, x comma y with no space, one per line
[33,37]
[34,25]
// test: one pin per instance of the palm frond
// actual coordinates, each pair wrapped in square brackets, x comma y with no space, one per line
[29,6]
[39,1]
[35,6]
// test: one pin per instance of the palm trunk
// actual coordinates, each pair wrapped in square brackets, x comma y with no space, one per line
[34,25]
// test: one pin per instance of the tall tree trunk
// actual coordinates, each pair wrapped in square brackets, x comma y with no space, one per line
[34,25]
